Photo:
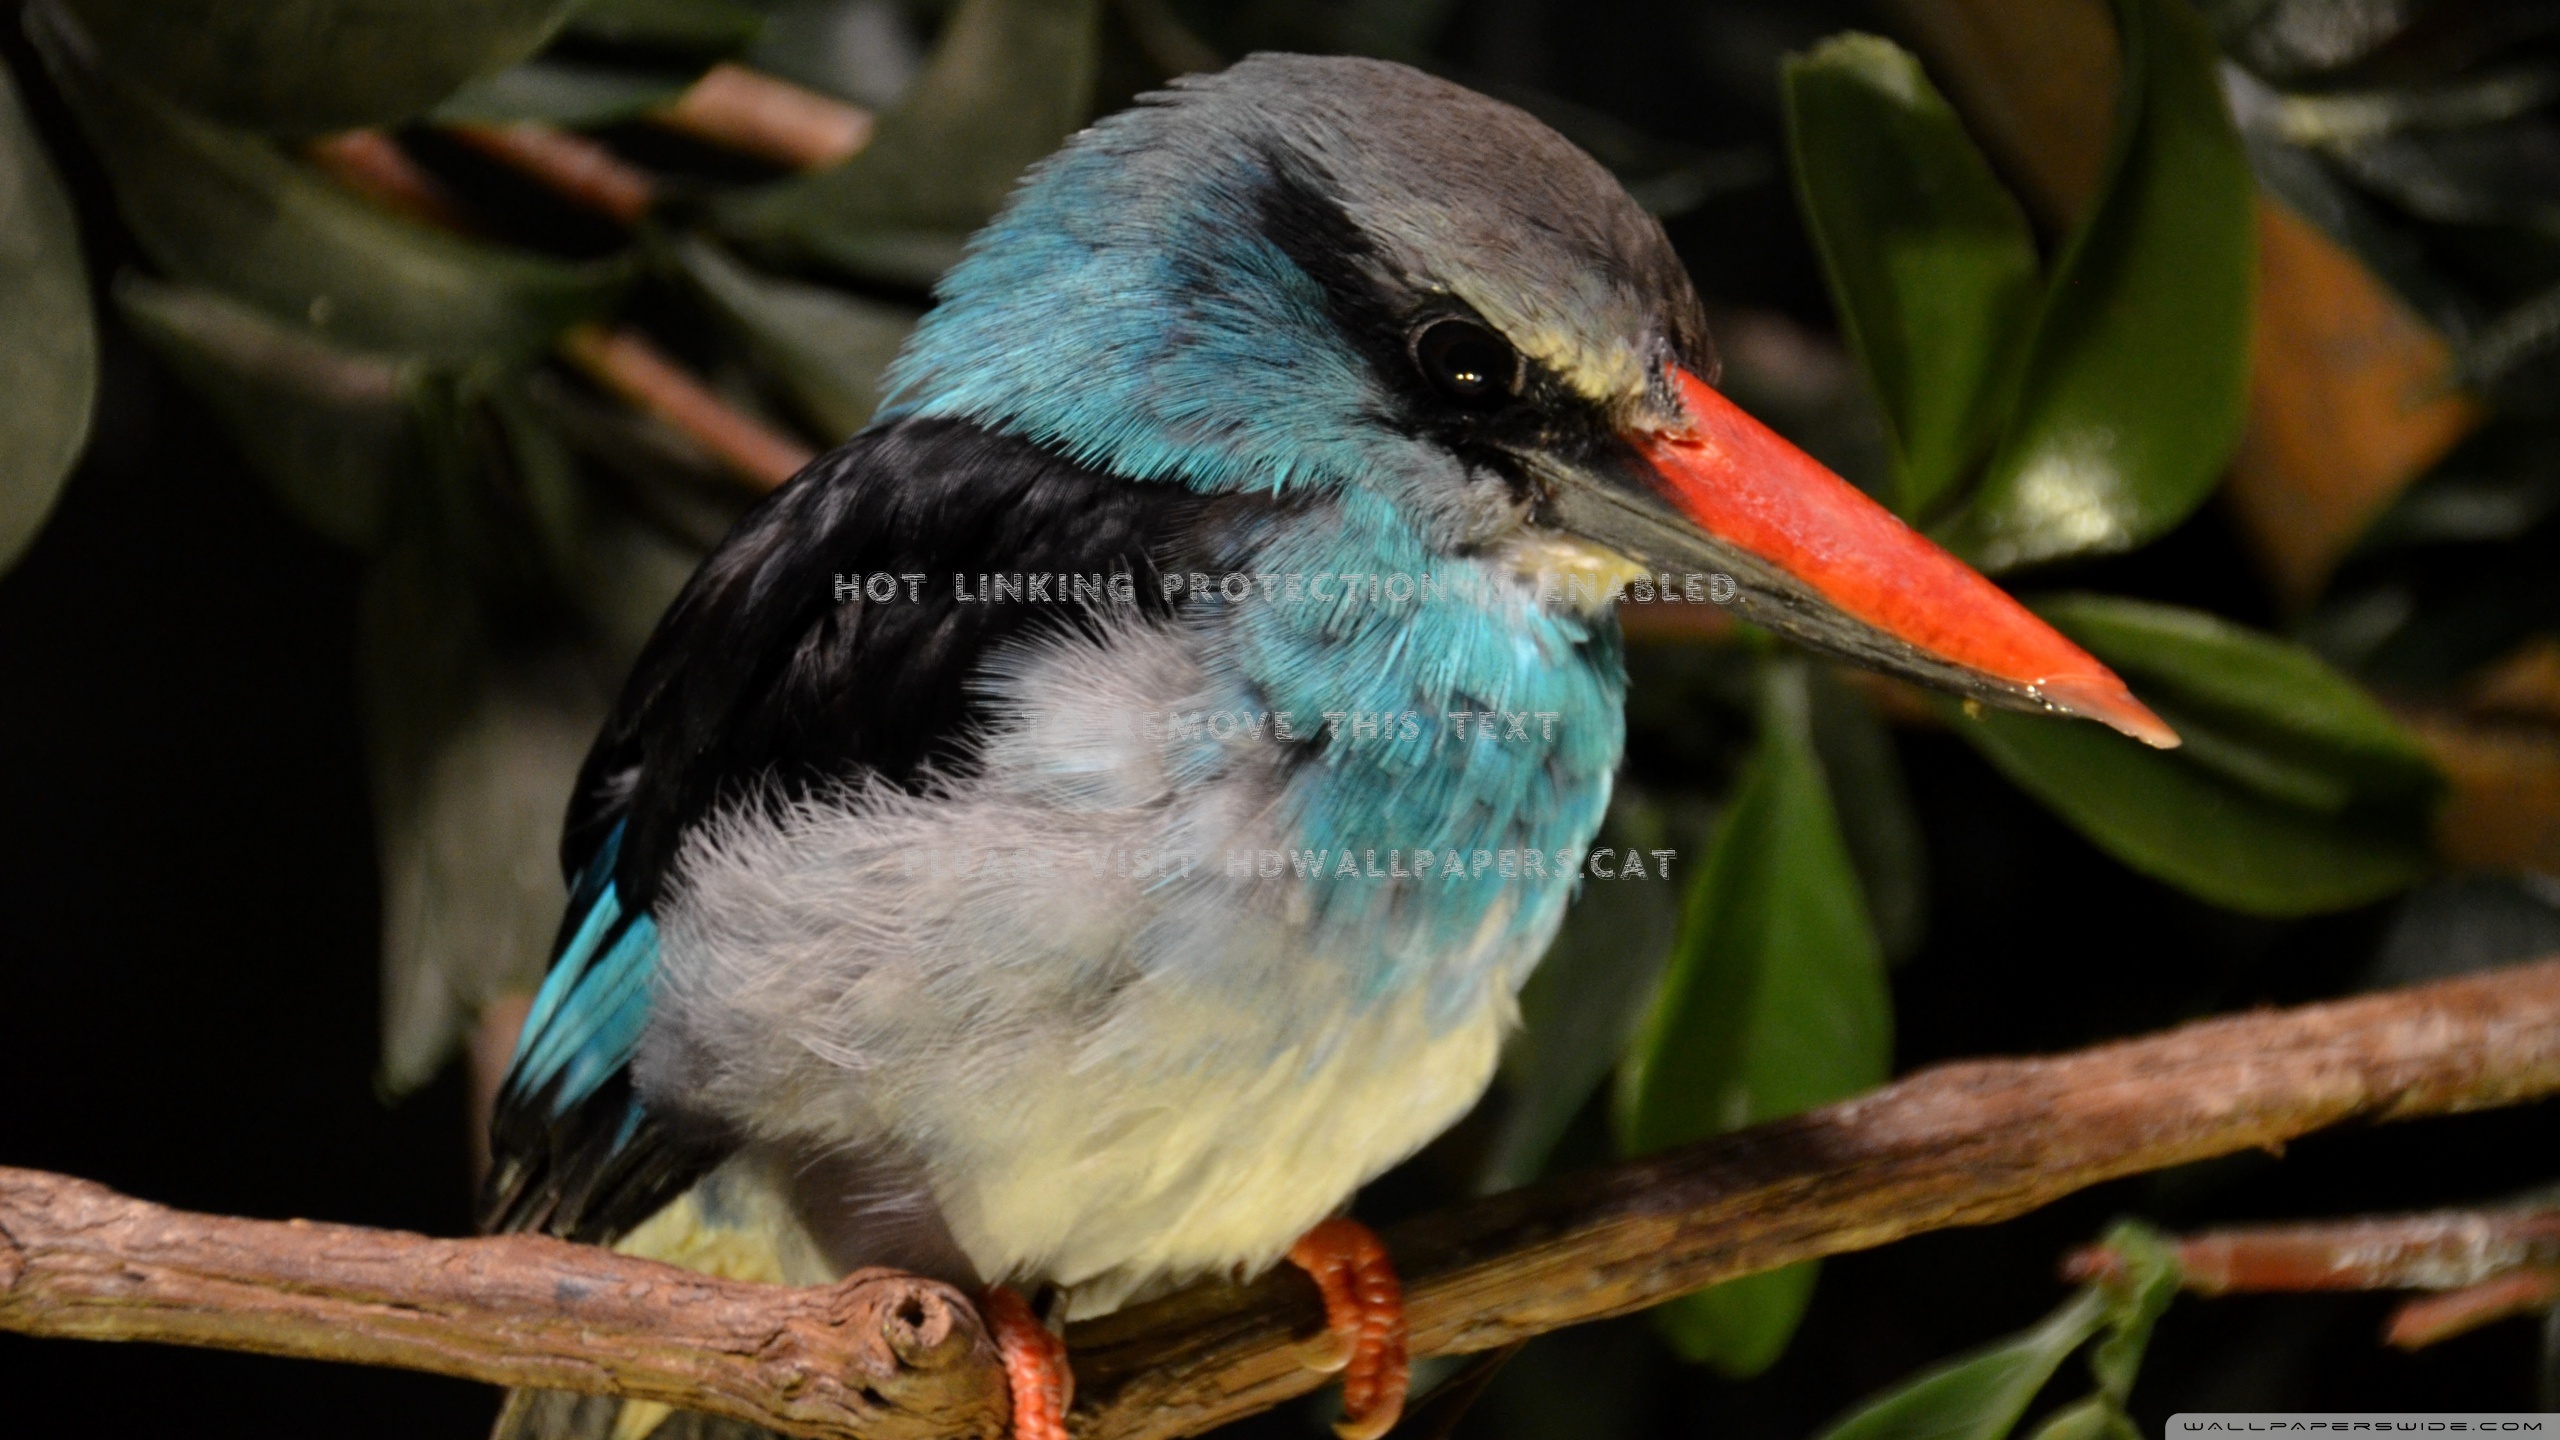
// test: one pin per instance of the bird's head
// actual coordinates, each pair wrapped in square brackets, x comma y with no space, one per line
[1344,278]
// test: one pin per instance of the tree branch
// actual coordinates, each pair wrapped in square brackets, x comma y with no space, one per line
[759,114]
[884,1356]
[2437,1318]
[1962,1144]
[585,172]
[2438,1250]
[2488,1264]
[623,361]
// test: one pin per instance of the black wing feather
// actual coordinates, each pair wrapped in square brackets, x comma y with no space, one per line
[759,682]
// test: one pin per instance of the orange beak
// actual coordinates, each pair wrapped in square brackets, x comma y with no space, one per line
[1814,559]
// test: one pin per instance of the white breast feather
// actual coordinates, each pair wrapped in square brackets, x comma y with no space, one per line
[1110,1080]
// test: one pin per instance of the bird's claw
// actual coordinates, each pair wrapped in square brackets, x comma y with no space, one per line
[1364,1335]
[1036,1372]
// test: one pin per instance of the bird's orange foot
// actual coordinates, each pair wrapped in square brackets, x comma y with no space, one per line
[1035,1365]
[1364,1323]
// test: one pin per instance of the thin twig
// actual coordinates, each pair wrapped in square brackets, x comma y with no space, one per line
[2422,1323]
[756,114]
[621,360]
[2440,1250]
[1957,1144]
[372,164]
[627,364]
[582,170]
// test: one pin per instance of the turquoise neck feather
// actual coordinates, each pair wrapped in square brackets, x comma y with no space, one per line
[1143,324]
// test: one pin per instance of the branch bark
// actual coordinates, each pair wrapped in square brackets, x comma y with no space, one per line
[623,361]
[883,1356]
[2437,1318]
[759,114]
[1963,1144]
[2438,1250]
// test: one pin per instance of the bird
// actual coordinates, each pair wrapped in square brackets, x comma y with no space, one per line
[965,878]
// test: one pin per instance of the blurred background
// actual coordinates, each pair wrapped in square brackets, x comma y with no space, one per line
[377,371]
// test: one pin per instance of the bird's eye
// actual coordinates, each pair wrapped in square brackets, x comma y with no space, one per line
[1466,362]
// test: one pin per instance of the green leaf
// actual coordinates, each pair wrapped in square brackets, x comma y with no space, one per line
[2177,821]
[618,570]
[1742,1326]
[560,92]
[474,747]
[328,430]
[1008,82]
[218,208]
[1588,994]
[1930,262]
[2136,380]
[1876,818]
[1980,1396]
[301,66]
[2095,1418]
[49,347]
[512,593]
[1774,1002]
[2321,741]
[2294,793]
[828,348]
[2137,1302]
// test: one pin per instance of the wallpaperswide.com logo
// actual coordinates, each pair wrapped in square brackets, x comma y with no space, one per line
[2210,1424]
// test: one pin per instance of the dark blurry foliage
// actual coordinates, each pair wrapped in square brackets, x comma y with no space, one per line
[2047,276]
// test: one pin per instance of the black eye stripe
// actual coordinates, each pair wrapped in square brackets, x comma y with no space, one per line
[1383,319]
[1466,362]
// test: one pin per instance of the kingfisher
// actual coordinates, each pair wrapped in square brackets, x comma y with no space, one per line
[981,873]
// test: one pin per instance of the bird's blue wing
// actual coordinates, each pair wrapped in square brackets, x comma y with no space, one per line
[589,1014]
[765,681]
[577,1152]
